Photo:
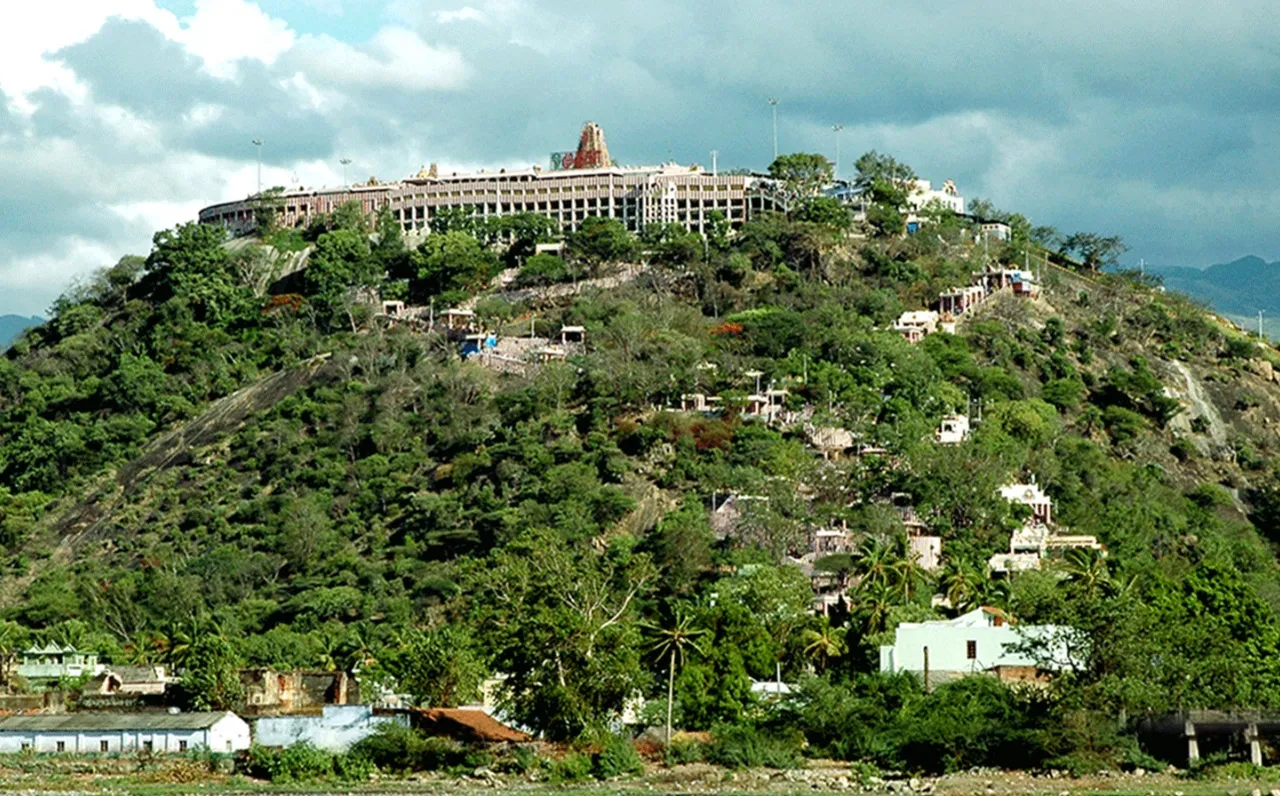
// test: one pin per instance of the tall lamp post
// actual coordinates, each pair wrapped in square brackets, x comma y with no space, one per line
[345,162]
[258,142]
[837,129]
[773,102]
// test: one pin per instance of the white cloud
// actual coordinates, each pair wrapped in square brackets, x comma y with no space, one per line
[224,32]
[394,58]
[31,30]
[464,14]
[67,258]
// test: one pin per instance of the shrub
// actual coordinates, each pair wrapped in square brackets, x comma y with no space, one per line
[395,747]
[617,757]
[685,750]
[299,763]
[573,767]
[351,767]
[521,761]
[1184,449]
[746,747]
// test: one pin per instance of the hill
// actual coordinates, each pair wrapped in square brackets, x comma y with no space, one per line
[13,325]
[1237,289]
[208,462]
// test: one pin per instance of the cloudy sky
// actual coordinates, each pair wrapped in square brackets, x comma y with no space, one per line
[1154,119]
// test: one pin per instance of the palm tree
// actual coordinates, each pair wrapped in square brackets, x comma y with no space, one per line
[872,602]
[961,584]
[1087,569]
[824,643]
[671,643]
[873,564]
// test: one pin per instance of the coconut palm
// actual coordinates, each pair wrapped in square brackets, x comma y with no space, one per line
[872,603]
[961,584]
[1087,569]
[824,643]
[672,643]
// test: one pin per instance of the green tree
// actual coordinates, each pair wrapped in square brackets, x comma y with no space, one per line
[451,265]
[341,263]
[440,667]
[825,211]
[672,644]
[801,175]
[211,675]
[874,167]
[1095,251]
[600,241]
[190,262]
[543,269]
[561,620]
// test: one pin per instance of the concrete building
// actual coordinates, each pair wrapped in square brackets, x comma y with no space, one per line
[335,729]
[926,550]
[922,194]
[995,230]
[953,430]
[52,661]
[959,300]
[914,326]
[592,186]
[978,642]
[267,691]
[1037,539]
[129,680]
[1030,495]
[115,733]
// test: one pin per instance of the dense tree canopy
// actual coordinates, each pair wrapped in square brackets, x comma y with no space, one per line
[205,462]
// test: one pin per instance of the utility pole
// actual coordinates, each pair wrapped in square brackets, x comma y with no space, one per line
[1260,336]
[1142,266]
[345,162]
[773,102]
[714,169]
[258,142]
[837,128]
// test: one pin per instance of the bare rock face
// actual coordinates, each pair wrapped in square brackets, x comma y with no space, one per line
[1263,368]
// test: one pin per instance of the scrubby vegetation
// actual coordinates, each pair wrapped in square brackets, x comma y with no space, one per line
[429,522]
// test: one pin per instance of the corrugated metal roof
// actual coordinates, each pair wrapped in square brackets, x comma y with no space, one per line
[90,722]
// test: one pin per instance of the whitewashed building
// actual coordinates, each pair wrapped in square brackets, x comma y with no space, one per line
[922,194]
[953,430]
[116,733]
[981,641]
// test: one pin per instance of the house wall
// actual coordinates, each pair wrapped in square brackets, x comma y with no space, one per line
[230,734]
[336,729]
[948,649]
[118,741]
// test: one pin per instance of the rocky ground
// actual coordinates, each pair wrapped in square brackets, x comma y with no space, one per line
[818,776]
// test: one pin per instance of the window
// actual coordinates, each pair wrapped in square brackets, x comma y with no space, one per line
[104,746]
[62,746]
[971,649]
[182,746]
[147,745]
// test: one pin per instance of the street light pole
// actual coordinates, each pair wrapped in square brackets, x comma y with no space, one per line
[773,101]
[837,128]
[345,162]
[258,142]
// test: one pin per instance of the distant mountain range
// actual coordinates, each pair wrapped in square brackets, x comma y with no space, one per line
[1237,289]
[13,325]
